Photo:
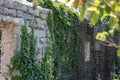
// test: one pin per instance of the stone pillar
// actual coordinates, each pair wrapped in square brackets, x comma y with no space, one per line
[8,47]
[87,60]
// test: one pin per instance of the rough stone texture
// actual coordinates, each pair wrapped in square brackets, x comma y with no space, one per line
[11,12]
[8,46]
[16,9]
[8,3]
[19,13]
[13,15]
[7,18]
[34,12]
[1,2]
[1,9]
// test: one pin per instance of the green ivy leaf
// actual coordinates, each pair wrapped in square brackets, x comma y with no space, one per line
[96,2]
[102,36]
[117,8]
[98,36]
[111,32]
[94,17]
[114,26]
[107,9]
[83,12]
[113,21]
[105,33]
[118,52]
[66,1]
[105,14]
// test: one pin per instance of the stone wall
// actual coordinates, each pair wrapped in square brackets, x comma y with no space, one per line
[13,15]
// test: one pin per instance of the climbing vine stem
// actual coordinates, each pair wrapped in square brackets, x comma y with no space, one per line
[64,28]
[25,62]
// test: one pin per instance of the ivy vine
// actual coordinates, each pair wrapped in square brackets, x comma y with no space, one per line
[60,59]
[25,60]
[64,26]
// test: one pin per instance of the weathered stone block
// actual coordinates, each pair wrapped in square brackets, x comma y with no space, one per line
[12,12]
[43,16]
[28,16]
[19,13]
[40,47]
[46,11]
[43,25]
[24,7]
[9,11]
[8,18]
[8,3]
[37,26]
[1,2]
[42,40]
[1,17]
[40,33]
[1,10]
[38,22]
[5,11]
[19,21]
[33,12]
[17,5]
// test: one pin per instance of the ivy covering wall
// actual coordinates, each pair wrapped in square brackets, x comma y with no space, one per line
[60,59]
[64,26]
[25,62]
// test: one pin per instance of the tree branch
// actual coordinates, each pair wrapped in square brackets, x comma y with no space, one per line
[108,43]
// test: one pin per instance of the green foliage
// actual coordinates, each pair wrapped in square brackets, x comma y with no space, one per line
[102,36]
[104,9]
[35,2]
[83,12]
[60,57]
[63,24]
[98,10]
[118,52]
[116,75]
[25,60]
[111,9]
